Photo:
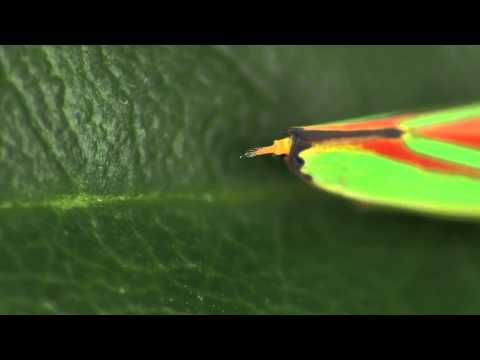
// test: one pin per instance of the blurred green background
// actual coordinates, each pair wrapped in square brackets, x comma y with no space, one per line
[122,191]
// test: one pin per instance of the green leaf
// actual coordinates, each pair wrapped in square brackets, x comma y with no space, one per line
[122,190]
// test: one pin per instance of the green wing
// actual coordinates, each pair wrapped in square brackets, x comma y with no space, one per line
[373,178]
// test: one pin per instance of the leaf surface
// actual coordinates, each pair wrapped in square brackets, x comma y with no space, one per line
[122,190]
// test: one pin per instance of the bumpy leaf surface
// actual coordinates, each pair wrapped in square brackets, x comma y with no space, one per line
[122,191]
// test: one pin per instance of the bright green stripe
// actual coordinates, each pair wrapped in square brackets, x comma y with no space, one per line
[442,116]
[236,195]
[371,178]
[444,151]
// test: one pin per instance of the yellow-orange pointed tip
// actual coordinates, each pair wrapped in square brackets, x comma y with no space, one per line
[279,147]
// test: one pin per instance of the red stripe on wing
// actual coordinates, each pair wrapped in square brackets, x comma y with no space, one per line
[395,149]
[464,132]
[378,123]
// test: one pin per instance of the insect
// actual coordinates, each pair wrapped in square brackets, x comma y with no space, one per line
[422,161]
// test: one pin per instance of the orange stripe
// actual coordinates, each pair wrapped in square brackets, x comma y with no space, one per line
[396,149]
[380,123]
[465,132]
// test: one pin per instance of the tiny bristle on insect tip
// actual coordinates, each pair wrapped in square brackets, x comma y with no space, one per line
[250,153]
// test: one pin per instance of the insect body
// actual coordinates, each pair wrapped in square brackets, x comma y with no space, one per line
[427,161]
